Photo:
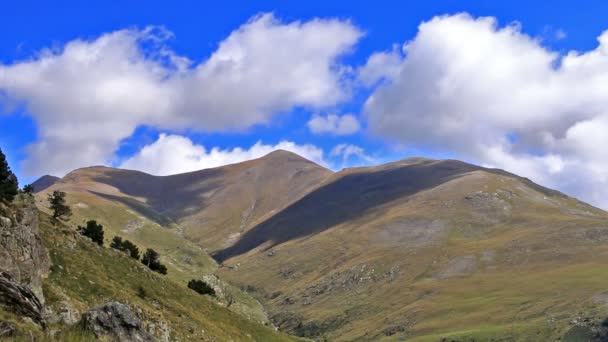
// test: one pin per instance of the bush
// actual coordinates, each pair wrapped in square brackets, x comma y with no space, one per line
[151,259]
[93,231]
[141,292]
[9,187]
[201,287]
[125,246]
[28,189]
[58,206]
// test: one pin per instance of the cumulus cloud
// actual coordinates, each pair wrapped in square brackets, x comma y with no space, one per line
[350,152]
[88,95]
[334,124]
[497,96]
[172,154]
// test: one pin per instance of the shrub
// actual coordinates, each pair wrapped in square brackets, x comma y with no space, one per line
[141,292]
[93,231]
[151,259]
[201,287]
[28,189]
[125,246]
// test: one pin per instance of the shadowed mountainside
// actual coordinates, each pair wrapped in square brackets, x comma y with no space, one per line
[417,249]
[44,182]
[213,206]
[350,195]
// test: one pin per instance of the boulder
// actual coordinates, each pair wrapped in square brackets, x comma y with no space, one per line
[20,300]
[117,321]
[22,254]
[7,330]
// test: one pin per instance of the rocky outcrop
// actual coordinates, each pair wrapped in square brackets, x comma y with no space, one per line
[20,300]
[22,255]
[588,330]
[117,321]
[7,330]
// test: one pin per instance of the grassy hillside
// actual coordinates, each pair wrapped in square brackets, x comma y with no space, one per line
[417,249]
[85,275]
[184,260]
[212,207]
[424,250]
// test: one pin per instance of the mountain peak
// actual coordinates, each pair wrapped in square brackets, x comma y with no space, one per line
[282,154]
[44,182]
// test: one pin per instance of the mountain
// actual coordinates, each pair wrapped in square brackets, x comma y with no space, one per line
[213,207]
[165,213]
[424,250]
[417,249]
[51,276]
[44,182]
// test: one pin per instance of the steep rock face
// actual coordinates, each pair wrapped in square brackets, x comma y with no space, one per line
[116,320]
[22,255]
[20,299]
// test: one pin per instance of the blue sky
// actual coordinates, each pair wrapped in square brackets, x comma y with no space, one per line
[451,88]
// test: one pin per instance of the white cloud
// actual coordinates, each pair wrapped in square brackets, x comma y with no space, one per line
[334,124]
[496,96]
[90,94]
[380,65]
[348,152]
[172,154]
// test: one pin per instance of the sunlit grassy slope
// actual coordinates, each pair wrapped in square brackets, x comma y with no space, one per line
[184,260]
[417,249]
[423,250]
[86,275]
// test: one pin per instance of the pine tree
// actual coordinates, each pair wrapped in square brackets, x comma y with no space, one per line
[93,231]
[9,186]
[58,206]
[201,287]
[125,246]
[28,189]
[151,259]
[132,249]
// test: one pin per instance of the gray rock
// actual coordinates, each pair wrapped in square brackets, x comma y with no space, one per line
[7,330]
[20,299]
[117,321]
[22,254]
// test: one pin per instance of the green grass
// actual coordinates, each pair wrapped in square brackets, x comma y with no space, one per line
[184,259]
[87,275]
[543,273]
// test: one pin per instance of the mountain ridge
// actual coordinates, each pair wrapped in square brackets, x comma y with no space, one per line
[355,253]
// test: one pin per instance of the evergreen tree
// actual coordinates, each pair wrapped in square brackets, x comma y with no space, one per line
[9,186]
[117,243]
[58,206]
[28,189]
[93,231]
[125,246]
[132,249]
[201,287]
[151,259]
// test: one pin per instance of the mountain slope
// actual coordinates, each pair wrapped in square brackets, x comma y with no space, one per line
[84,275]
[213,207]
[157,212]
[419,249]
[426,249]
[44,182]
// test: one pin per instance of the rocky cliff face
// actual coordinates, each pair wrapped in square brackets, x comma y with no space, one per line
[116,320]
[23,257]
